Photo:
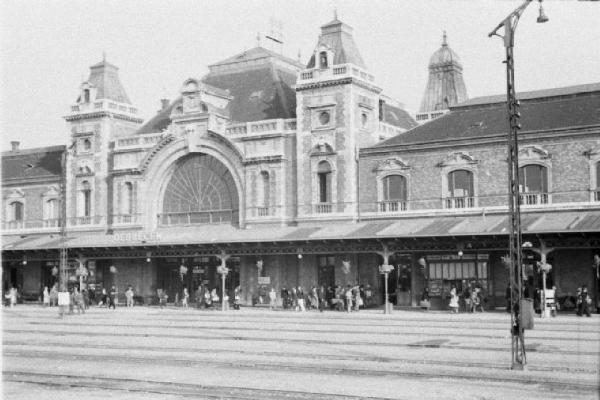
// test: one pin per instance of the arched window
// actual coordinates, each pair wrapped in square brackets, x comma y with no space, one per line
[533,184]
[127,199]
[86,193]
[324,177]
[323,59]
[460,189]
[86,95]
[87,144]
[394,194]
[16,211]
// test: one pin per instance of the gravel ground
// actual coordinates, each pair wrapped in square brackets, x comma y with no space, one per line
[148,353]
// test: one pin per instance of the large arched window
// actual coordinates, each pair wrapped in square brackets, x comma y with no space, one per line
[533,184]
[201,190]
[460,189]
[394,193]
[263,194]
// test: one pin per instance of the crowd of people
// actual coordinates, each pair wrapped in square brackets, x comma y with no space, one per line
[349,298]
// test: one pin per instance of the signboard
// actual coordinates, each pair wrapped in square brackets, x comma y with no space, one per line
[384,269]
[264,280]
[197,270]
[63,298]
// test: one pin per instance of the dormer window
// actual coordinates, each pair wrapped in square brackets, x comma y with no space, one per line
[323,60]
[87,145]
[86,95]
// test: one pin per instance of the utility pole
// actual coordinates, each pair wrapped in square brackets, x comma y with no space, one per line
[519,358]
[63,294]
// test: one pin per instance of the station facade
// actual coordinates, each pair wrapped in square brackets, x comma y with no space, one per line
[303,175]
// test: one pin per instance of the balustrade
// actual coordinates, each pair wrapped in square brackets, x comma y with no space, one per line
[530,199]
[392,206]
[460,202]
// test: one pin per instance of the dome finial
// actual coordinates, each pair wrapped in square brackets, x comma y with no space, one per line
[335,15]
[444,41]
[103,56]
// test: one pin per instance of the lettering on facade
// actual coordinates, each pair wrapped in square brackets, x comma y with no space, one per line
[137,237]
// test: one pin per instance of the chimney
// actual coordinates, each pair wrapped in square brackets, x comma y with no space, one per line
[15,145]
[164,104]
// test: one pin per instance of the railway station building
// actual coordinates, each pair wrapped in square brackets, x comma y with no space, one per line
[306,174]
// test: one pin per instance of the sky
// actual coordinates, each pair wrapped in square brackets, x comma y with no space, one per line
[49,45]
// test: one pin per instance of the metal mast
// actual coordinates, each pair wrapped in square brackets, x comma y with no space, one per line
[519,358]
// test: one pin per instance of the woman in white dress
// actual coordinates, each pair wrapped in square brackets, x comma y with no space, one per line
[453,300]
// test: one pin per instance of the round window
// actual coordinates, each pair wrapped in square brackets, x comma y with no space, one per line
[324,118]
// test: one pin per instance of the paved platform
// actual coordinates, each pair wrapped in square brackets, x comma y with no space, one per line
[175,353]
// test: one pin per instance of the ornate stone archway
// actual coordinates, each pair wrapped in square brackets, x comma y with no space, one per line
[213,157]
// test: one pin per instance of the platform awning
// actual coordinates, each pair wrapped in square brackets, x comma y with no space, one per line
[442,226]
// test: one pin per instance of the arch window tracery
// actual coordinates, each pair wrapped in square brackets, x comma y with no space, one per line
[201,190]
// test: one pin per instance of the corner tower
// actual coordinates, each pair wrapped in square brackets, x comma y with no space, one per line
[337,108]
[101,114]
[445,86]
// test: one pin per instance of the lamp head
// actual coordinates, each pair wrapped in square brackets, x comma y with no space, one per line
[542,17]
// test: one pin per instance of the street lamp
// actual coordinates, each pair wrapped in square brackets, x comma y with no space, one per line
[519,359]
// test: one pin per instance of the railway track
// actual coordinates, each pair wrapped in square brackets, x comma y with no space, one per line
[168,388]
[320,340]
[466,374]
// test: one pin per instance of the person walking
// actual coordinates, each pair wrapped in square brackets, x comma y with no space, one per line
[301,299]
[348,298]
[272,298]
[295,299]
[46,297]
[54,296]
[12,296]
[78,301]
[113,297]
[586,302]
[129,296]
[103,299]
[322,294]
[356,297]
[453,300]
[185,297]
[579,303]
[86,299]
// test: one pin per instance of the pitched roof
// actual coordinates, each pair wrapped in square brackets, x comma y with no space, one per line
[105,77]
[260,82]
[38,163]
[337,36]
[255,53]
[398,117]
[540,111]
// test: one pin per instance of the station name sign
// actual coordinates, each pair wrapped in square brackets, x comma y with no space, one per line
[137,237]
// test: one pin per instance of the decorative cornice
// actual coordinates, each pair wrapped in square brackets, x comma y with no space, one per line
[343,81]
[102,114]
[264,159]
